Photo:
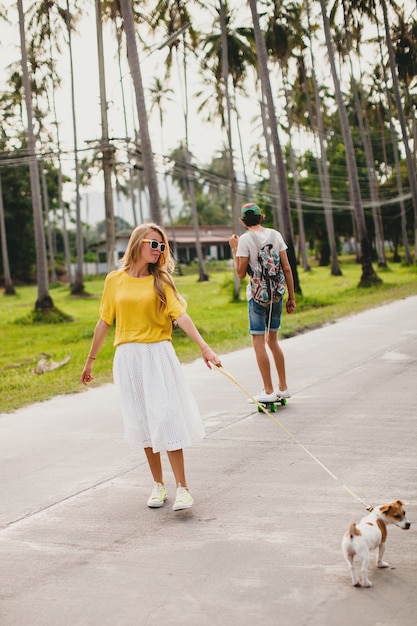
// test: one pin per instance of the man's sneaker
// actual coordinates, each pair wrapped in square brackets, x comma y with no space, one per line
[183,500]
[265,397]
[158,496]
[283,394]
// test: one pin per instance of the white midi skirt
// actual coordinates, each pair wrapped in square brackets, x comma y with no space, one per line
[158,408]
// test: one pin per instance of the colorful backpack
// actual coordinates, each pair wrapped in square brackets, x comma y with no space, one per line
[267,279]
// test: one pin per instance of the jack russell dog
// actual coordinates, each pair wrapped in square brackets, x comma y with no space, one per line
[371,533]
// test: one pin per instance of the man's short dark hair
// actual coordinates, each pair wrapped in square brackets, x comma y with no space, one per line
[250,219]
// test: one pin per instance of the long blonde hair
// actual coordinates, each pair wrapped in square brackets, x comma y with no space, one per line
[161,270]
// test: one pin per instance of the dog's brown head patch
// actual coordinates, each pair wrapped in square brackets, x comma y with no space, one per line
[393,509]
[394,513]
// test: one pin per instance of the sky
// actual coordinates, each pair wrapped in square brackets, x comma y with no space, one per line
[205,139]
[86,87]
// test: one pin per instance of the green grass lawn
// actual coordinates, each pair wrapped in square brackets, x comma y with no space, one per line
[221,321]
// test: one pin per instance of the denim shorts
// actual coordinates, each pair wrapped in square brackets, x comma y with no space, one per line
[259,317]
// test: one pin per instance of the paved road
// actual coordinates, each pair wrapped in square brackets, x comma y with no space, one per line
[79,547]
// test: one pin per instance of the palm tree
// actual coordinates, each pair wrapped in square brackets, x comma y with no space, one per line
[401,119]
[77,287]
[279,159]
[146,148]
[388,99]
[189,174]
[42,27]
[284,36]
[405,37]
[106,148]
[370,7]
[9,289]
[273,179]
[369,276]
[119,33]
[228,125]
[46,210]
[323,167]
[44,301]
[226,56]
[360,106]
[297,195]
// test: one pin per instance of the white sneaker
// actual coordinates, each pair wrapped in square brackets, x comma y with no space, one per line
[266,397]
[158,496]
[283,394]
[183,500]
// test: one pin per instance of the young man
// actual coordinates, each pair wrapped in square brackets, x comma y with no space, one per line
[264,322]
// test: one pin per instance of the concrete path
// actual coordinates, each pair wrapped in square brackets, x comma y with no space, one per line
[79,547]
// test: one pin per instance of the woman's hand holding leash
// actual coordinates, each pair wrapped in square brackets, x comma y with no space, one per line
[210,357]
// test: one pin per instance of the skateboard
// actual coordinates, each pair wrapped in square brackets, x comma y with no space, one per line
[272,407]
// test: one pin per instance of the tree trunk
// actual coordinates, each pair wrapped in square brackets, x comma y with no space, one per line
[106,148]
[203,276]
[48,222]
[131,177]
[302,245]
[67,252]
[148,160]
[273,181]
[326,193]
[77,287]
[9,289]
[232,177]
[58,142]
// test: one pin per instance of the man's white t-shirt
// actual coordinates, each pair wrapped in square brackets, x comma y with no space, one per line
[251,242]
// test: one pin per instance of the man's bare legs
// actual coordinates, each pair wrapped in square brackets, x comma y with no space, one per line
[279,360]
[262,358]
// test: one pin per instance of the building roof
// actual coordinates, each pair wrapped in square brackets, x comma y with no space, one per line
[184,235]
[209,235]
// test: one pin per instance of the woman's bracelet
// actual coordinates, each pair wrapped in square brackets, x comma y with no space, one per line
[93,358]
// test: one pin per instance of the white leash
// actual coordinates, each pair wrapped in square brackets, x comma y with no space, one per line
[265,410]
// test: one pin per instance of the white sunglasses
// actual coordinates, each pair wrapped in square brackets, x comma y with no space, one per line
[155,245]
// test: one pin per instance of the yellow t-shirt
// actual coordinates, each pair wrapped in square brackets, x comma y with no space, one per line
[133,303]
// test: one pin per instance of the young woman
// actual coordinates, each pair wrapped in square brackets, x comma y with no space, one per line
[159,410]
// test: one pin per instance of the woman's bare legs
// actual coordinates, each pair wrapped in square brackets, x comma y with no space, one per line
[155,465]
[176,459]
